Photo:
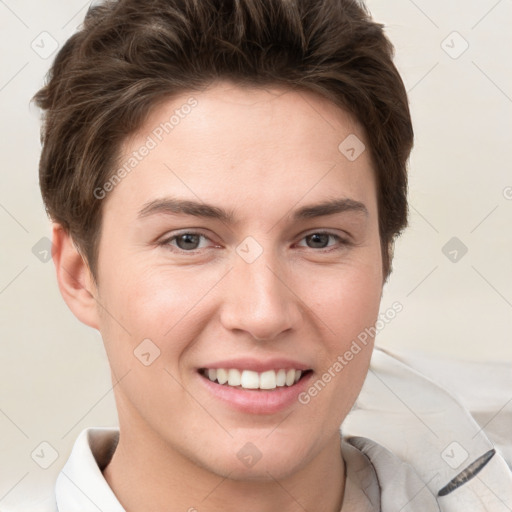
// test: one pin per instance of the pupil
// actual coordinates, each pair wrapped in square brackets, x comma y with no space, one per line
[322,236]
[188,238]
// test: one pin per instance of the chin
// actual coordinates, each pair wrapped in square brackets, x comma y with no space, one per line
[279,467]
[262,459]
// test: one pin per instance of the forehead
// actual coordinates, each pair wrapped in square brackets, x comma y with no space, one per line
[230,107]
[234,144]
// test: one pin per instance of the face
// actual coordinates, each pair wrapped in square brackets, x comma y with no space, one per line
[242,244]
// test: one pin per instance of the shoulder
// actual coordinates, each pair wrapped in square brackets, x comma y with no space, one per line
[405,420]
[380,481]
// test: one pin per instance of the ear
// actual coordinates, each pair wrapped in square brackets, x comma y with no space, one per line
[76,283]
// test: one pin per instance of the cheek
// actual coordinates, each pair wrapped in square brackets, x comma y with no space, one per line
[158,304]
[348,306]
[347,301]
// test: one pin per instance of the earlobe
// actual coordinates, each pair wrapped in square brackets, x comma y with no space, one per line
[74,277]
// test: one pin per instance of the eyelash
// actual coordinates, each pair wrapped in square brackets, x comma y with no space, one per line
[167,242]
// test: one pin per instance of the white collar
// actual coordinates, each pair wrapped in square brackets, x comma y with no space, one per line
[81,486]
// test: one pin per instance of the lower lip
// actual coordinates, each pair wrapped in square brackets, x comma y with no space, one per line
[257,401]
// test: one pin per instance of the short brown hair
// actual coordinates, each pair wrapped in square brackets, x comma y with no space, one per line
[131,54]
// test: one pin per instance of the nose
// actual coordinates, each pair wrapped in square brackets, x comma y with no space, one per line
[260,300]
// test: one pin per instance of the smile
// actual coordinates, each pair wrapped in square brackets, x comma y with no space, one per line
[248,379]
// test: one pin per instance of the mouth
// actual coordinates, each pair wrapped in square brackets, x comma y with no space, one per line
[269,380]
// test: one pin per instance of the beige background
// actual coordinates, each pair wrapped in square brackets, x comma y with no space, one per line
[53,373]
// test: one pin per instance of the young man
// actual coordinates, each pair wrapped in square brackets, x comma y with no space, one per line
[226,180]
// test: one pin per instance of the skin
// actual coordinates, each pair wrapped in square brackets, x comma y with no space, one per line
[261,153]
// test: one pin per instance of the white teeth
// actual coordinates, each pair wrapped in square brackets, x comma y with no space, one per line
[281,378]
[234,377]
[222,376]
[290,377]
[268,380]
[249,379]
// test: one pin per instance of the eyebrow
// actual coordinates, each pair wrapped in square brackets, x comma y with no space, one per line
[170,205]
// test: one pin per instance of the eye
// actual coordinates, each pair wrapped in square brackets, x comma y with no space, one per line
[190,241]
[186,241]
[319,240]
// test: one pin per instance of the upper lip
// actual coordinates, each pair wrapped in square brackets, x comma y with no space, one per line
[257,365]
